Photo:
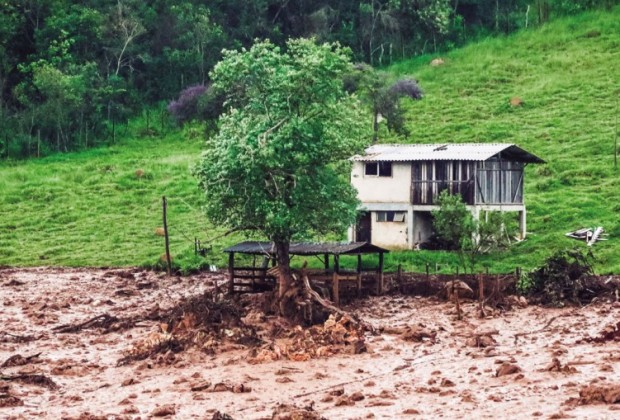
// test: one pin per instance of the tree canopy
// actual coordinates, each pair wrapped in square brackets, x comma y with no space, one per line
[278,164]
[116,57]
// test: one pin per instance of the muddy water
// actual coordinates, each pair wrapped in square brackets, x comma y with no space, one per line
[396,379]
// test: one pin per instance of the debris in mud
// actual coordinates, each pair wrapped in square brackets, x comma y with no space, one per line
[6,337]
[164,410]
[417,333]
[14,282]
[8,400]
[218,415]
[226,386]
[611,332]
[482,339]
[107,322]
[292,412]
[196,322]
[32,379]
[19,360]
[458,287]
[566,277]
[336,335]
[605,393]
[556,366]
[507,369]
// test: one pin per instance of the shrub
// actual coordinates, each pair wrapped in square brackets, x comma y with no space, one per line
[407,87]
[186,107]
[562,278]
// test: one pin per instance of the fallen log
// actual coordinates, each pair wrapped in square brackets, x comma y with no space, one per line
[107,322]
[523,334]
[31,379]
[313,295]
[19,360]
[6,337]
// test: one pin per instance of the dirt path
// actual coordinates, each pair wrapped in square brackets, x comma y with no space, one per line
[436,376]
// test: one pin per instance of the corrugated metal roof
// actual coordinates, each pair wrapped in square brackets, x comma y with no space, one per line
[463,151]
[306,248]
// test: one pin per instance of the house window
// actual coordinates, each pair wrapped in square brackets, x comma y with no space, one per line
[378,169]
[390,216]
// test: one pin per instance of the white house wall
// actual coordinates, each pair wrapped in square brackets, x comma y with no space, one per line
[379,189]
[392,235]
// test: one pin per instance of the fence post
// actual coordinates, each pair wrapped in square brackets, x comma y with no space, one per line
[164,206]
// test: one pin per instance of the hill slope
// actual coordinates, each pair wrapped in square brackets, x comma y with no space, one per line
[93,208]
[568,76]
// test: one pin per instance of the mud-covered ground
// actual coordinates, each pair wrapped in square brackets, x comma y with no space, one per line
[523,363]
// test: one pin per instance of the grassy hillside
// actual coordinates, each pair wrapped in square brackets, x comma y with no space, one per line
[568,76]
[95,208]
[101,207]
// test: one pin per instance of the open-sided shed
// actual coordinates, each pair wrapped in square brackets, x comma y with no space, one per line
[259,276]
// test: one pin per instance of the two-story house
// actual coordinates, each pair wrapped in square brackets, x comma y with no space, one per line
[398,186]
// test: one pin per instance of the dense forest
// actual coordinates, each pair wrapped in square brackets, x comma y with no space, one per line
[70,71]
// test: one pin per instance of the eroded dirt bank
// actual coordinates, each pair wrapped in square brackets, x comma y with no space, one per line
[524,363]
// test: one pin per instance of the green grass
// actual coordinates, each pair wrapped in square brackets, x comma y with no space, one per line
[90,208]
[93,208]
[570,86]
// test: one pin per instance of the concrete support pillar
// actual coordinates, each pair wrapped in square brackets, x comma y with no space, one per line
[522,224]
[410,225]
[351,234]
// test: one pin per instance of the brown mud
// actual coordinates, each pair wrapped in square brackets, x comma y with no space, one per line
[64,332]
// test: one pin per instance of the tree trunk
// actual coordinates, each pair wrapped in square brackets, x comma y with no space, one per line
[283,258]
[375,127]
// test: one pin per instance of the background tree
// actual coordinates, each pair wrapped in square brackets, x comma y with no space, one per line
[279,164]
[383,96]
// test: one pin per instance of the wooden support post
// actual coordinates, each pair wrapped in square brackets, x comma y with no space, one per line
[326,261]
[399,278]
[359,275]
[335,281]
[481,294]
[380,274]
[428,278]
[231,273]
[167,240]
[455,293]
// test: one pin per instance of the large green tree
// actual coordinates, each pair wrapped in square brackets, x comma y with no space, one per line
[279,163]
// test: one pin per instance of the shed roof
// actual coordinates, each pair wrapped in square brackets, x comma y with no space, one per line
[307,248]
[463,151]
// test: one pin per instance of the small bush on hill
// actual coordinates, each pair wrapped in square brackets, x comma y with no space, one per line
[186,107]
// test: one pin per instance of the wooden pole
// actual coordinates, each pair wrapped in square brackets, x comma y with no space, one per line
[380,282]
[616,139]
[335,281]
[481,294]
[231,273]
[359,275]
[169,263]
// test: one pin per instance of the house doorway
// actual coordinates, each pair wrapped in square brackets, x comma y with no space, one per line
[363,228]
